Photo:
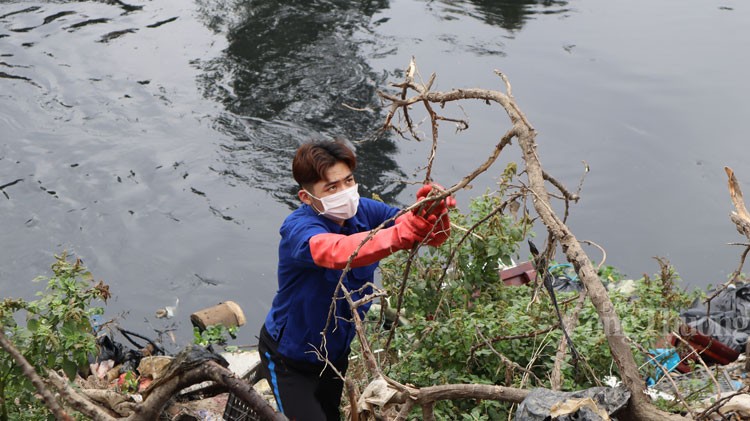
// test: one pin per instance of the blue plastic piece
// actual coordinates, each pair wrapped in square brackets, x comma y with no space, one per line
[667,358]
[96,323]
[572,277]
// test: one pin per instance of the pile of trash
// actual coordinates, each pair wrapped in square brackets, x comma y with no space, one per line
[118,375]
[704,359]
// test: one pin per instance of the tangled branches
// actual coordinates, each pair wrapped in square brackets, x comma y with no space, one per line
[412,94]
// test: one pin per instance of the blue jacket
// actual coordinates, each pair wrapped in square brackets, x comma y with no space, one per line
[302,303]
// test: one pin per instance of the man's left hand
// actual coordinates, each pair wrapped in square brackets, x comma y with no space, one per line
[442,228]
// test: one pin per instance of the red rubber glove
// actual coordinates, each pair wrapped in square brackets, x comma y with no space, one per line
[332,251]
[442,230]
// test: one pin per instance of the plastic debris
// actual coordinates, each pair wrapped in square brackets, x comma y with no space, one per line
[565,279]
[572,406]
[663,358]
[101,368]
[605,402]
[655,395]
[738,404]
[377,393]
[728,320]
[168,311]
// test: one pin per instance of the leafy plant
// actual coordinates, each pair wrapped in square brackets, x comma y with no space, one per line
[214,334]
[57,334]
[129,382]
[466,326]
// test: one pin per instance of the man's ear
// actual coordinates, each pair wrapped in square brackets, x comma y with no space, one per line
[304,197]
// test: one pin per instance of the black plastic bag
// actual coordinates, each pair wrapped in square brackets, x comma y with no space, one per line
[729,320]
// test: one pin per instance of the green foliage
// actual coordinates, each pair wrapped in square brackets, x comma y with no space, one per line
[56,335]
[462,318]
[130,382]
[214,334]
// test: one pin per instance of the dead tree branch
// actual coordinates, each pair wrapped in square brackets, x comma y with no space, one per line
[511,337]
[80,402]
[431,394]
[641,406]
[571,321]
[28,371]
[741,219]
[505,360]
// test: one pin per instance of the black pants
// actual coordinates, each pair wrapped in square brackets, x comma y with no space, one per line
[303,391]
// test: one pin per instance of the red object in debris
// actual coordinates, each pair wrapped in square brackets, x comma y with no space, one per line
[144,383]
[710,350]
[521,274]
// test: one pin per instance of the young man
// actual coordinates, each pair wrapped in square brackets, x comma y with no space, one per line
[317,241]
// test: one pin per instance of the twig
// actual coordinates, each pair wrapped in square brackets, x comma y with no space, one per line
[736,194]
[719,403]
[586,170]
[566,194]
[604,252]
[369,357]
[533,334]
[512,103]
[466,230]
[433,149]
[505,360]
[700,359]
[666,375]
[2,187]
[77,401]
[732,278]
[738,271]
[401,292]
[405,409]
[571,322]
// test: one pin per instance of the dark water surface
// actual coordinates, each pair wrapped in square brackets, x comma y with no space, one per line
[153,139]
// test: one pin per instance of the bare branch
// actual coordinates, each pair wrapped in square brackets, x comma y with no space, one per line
[667,376]
[640,405]
[28,371]
[700,359]
[571,321]
[566,194]
[604,252]
[505,360]
[78,401]
[511,337]
[463,391]
[736,194]
[405,409]
[719,403]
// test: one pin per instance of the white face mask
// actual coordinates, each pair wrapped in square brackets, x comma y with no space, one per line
[339,206]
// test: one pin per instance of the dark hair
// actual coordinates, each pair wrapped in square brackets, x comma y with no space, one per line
[313,159]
